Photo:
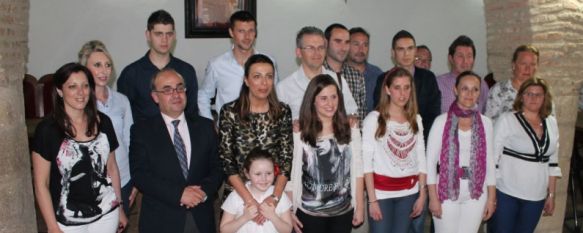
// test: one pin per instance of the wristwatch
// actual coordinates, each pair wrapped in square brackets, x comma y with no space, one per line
[275,198]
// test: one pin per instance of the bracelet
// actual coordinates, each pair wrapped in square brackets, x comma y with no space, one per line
[370,202]
[551,195]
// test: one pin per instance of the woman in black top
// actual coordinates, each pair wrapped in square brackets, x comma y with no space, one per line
[76,178]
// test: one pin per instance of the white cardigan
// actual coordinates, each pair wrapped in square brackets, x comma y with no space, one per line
[295,184]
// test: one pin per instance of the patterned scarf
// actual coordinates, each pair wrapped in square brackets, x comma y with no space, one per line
[449,169]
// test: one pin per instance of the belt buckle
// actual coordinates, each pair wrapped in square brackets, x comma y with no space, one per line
[465,173]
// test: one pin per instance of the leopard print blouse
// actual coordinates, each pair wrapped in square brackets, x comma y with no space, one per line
[237,138]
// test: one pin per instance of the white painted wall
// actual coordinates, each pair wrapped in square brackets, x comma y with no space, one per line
[58,28]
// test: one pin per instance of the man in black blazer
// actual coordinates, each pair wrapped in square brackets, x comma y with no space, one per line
[174,163]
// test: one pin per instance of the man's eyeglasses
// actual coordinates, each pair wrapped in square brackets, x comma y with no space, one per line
[170,90]
[313,49]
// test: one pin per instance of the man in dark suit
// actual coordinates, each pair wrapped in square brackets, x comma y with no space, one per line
[174,162]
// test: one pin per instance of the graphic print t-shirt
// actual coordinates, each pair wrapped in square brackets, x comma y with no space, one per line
[326,178]
[80,188]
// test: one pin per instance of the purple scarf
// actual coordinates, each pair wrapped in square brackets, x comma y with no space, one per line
[449,169]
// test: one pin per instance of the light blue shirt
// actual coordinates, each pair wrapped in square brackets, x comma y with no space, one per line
[117,108]
[225,76]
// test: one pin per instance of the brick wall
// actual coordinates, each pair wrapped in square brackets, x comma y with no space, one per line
[556,28]
[17,212]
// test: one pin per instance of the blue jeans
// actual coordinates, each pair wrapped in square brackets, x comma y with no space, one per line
[418,223]
[514,215]
[395,213]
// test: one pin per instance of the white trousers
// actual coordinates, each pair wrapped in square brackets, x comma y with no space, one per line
[463,215]
[106,224]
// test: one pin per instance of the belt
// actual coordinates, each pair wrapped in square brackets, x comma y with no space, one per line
[387,183]
[464,172]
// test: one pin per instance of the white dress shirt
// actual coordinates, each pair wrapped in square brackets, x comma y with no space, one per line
[291,91]
[224,75]
[182,130]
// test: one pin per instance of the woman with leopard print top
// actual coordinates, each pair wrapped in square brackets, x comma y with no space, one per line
[256,119]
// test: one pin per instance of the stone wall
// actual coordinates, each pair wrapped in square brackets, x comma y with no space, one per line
[17,212]
[556,28]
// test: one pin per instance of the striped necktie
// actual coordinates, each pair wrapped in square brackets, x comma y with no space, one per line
[180,149]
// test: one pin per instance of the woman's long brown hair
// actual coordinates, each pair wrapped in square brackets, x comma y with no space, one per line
[385,101]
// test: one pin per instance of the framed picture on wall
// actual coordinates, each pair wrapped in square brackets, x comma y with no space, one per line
[210,18]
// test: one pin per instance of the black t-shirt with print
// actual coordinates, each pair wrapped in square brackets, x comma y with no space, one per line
[80,188]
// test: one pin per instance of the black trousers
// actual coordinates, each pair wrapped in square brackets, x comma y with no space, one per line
[190,225]
[317,224]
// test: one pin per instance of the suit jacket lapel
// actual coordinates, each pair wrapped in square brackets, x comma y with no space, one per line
[191,130]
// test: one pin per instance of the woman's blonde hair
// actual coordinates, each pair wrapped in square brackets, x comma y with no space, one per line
[95,46]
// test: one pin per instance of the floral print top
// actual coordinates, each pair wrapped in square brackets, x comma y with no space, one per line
[500,99]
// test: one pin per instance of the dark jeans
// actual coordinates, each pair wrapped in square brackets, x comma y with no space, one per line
[317,224]
[395,213]
[418,223]
[514,215]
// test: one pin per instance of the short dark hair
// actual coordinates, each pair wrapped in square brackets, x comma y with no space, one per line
[356,30]
[328,31]
[160,17]
[241,16]
[400,35]
[525,48]
[462,40]
[424,47]
[157,74]
[307,30]
[257,154]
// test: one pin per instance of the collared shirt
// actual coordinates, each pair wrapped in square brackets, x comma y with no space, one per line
[371,73]
[182,130]
[291,91]
[355,82]
[224,76]
[446,83]
[135,82]
[117,108]
[500,99]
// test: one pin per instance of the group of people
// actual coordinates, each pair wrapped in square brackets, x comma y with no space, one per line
[336,143]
